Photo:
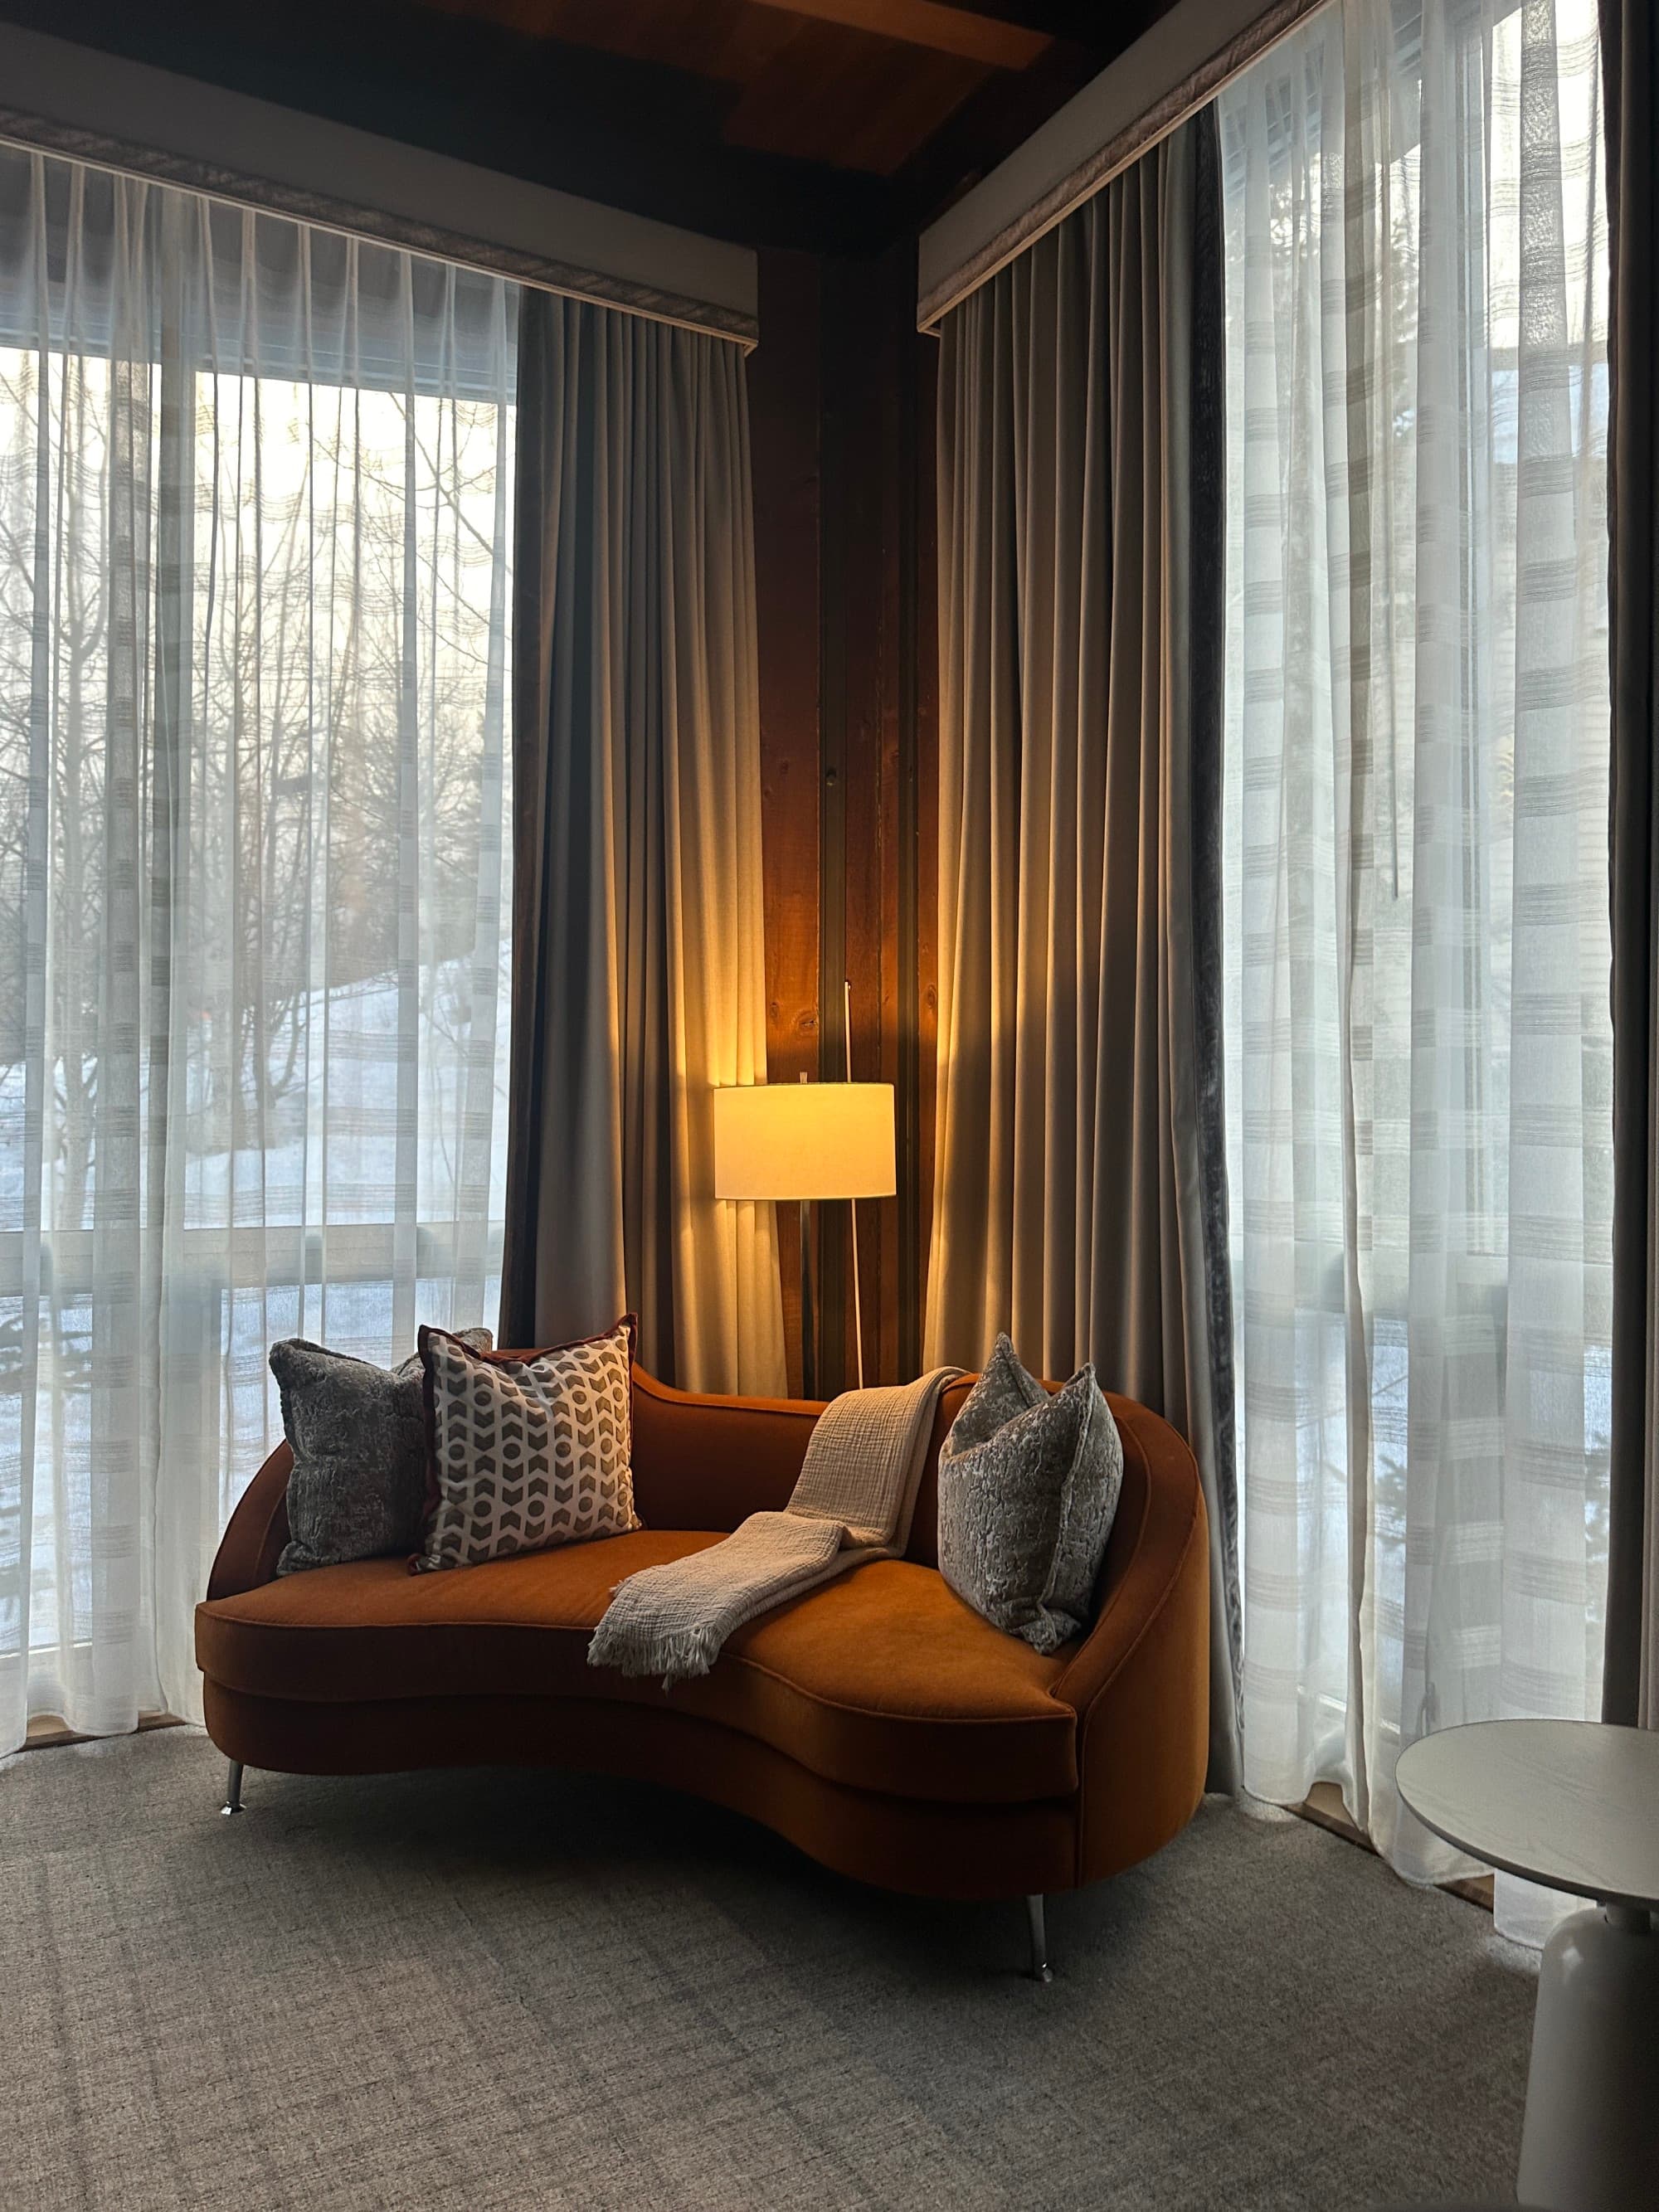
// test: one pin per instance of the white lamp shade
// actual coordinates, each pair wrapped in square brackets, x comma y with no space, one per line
[804,1141]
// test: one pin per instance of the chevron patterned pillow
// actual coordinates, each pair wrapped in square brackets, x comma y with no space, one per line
[527,1449]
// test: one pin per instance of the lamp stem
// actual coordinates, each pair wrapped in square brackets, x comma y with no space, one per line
[809,1375]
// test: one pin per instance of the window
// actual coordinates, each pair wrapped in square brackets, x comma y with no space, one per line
[255,499]
[1417,1026]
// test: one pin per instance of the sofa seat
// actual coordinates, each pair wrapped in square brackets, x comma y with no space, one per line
[883,1679]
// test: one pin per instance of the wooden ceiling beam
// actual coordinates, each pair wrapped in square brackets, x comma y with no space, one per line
[1098,26]
[972,34]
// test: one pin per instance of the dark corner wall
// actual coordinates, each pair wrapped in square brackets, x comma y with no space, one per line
[841,392]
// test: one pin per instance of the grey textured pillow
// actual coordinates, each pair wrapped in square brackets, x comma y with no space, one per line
[358,1437]
[1028,1487]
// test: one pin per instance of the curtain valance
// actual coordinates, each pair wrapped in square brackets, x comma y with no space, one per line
[103,109]
[1171,72]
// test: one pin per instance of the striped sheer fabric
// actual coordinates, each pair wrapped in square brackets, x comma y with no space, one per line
[1416,795]
[255,488]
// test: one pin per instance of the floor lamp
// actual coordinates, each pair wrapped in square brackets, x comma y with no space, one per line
[805,1141]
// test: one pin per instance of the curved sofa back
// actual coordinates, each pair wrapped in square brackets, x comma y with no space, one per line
[705,1462]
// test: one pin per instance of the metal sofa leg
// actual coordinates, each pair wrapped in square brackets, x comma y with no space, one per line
[233,1788]
[1041,1970]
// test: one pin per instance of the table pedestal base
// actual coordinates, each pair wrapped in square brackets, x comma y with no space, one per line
[1591,2140]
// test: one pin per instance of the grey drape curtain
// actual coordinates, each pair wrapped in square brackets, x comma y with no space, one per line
[1079,1195]
[638,949]
[1629,51]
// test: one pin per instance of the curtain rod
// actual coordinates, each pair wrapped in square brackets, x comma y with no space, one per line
[1120,151]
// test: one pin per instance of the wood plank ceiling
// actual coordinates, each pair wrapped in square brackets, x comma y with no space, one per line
[836,125]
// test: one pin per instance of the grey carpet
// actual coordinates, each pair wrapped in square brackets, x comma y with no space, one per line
[500,1990]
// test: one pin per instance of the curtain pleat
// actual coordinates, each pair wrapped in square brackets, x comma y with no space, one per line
[1629,55]
[1079,1191]
[254,483]
[639,946]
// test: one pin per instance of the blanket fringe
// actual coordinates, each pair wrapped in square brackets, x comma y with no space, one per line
[675,1657]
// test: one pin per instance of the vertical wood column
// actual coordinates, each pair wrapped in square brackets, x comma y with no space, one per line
[843,428]
[878,389]
[845,462]
[784,407]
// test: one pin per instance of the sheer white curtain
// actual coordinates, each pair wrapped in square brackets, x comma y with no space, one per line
[255,487]
[1416,793]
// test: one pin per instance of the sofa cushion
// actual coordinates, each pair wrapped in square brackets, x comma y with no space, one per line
[883,1679]
[358,1487]
[526,1448]
[1028,1484]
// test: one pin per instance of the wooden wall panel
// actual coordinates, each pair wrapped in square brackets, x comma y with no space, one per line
[784,402]
[857,597]
[914,1285]
[861,843]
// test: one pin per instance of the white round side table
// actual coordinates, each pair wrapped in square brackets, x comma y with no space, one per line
[1574,1804]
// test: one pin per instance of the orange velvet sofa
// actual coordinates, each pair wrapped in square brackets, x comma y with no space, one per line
[878,1722]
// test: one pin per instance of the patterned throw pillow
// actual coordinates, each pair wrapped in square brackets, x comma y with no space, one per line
[527,1449]
[358,1487]
[1028,1490]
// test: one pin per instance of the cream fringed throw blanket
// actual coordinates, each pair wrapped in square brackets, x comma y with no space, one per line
[853,1502]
